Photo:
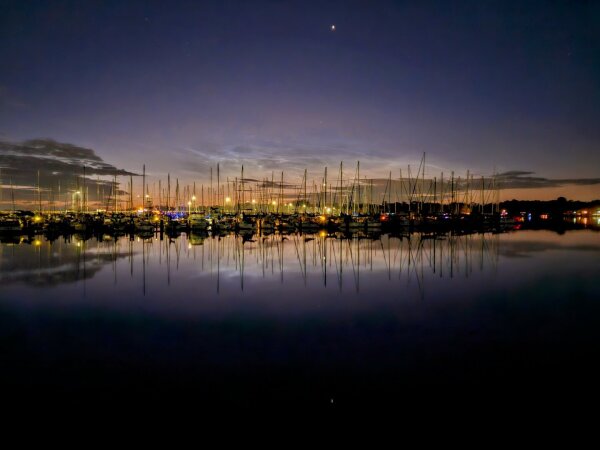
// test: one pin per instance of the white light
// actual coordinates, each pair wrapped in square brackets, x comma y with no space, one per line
[332,27]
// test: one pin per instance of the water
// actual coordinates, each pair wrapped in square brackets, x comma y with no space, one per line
[301,320]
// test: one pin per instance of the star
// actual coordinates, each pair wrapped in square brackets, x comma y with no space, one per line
[332,27]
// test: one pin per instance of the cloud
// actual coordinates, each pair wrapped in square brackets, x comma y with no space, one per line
[59,164]
[516,179]
[264,159]
[261,158]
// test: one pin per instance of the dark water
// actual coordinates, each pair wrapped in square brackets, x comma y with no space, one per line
[309,321]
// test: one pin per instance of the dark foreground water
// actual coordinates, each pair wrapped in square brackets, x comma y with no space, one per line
[309,321]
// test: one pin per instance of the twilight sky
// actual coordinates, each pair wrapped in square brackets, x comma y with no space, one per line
[182,85]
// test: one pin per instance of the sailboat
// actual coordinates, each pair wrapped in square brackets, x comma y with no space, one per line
[10,223]
[197,222]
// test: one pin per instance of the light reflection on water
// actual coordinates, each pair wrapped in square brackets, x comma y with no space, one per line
[203,266]
[301,319]
[279,272]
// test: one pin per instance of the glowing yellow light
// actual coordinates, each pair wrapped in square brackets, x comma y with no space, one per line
[227,199]
[79,244]
[193,198]
[323,218]
[304,206]
[37,242]
[37,218]
[189,203]
[274,202]
[253,201]
[328,210]
[322,233]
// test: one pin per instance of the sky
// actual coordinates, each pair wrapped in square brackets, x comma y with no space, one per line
[490,87]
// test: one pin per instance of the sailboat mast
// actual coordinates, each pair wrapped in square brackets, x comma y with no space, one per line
[39,193]
[84,192]
[389,193]
[305,200]
[358,179]
[144,187]
[340,189]
[423,187]
[242,183]
[281,194]
[116,191]
[325,192]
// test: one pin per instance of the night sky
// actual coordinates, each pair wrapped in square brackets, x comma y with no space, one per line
[182,85]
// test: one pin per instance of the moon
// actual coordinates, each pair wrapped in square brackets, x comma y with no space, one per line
[332,27]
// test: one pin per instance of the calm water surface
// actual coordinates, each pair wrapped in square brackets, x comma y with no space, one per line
[310,320]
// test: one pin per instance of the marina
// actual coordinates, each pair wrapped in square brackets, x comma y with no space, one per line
[302,206]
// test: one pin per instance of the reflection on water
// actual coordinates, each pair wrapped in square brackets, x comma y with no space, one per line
[44,264]
[247,263]
[203,265]
[314,317]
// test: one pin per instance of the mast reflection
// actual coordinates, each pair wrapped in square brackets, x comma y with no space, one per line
[313,258]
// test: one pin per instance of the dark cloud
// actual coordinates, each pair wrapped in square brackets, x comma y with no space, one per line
[59,165]
[524,180]
[58,155]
